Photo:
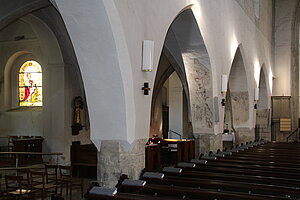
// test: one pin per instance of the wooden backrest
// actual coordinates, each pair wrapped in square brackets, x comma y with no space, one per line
[65,171]
[51,173]
[13,183]
[25,173]
[38,178]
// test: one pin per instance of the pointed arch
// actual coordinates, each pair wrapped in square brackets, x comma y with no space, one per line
[238,88]
[185,49]
[262,122]
[238,97]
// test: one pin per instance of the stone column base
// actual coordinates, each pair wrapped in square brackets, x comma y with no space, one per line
[244,135]
[205,143]
[119,157]
[265,133]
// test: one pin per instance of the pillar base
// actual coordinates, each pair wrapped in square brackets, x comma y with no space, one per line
[119,157]
[207,142]
[264,133]
[244,135]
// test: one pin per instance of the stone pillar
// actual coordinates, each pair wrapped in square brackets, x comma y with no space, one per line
[265,133]
[119,157]
[244,134]
[263,129]
[208,142]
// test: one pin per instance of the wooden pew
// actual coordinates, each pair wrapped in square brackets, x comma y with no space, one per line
[192,192]
[95,192]
[229,185]
[239,178]
[270,158]
[125,196]
[262,167]
[265,173]
[263,162]
[246,171]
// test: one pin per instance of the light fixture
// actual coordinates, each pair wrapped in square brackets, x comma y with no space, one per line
[224,79]
[256,97]
[256,94]
[147,59]
[146,88]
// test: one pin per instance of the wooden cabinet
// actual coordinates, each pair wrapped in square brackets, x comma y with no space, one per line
[28,144]
[281,117]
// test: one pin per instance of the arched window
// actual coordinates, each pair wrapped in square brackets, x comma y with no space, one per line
[30,84]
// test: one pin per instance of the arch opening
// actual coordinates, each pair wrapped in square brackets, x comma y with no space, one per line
[185,54]
[39,35]
[237,98]
[262,125]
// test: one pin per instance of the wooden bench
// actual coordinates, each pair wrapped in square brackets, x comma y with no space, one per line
[193,193]
[253,171]
[229,185]
[238,178]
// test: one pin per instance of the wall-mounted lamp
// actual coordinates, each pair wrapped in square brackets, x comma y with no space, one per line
[223,102]
[146,88]
[224,79]
[256,94]
[147,59]
[256,97]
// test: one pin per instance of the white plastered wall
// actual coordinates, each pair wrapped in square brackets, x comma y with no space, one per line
[107,37]
[39,44]
[284,16]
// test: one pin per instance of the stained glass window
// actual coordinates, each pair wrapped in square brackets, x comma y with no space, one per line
[30,84]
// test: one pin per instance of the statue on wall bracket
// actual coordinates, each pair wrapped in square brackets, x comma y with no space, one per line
[77,123]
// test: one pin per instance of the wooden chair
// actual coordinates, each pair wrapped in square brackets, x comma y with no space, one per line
[67,179]
[15,187]
[51,174]
[38,182]
[25,173]
[10,144]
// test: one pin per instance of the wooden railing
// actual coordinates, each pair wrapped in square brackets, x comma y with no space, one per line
[17,154]
[296,131]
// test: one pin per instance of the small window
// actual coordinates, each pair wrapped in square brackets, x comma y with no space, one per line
[30,84]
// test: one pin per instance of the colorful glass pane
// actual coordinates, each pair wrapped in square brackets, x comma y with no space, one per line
[30,84]
[31,66]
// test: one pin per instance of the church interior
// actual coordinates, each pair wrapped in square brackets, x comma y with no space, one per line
[138,99]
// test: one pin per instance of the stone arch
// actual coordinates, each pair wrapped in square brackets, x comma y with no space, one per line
[167,68]
[8,76]
[185,47]
[238,98]
[262,126]
[49,45]
[14,10]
